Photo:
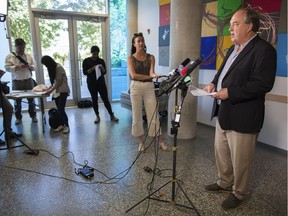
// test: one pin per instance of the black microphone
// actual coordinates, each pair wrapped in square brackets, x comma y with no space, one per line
[169,84]
[187,71]
[166,84]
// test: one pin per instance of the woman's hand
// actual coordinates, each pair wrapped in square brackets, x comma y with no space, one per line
[103,71]
[91,69]
[155,75]
[47,92]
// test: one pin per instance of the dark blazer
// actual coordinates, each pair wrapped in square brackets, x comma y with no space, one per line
[249,78]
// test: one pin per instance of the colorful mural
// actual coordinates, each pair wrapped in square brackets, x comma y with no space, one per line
[164,32]
[215,39]
[215,29]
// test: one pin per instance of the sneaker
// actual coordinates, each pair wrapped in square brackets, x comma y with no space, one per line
[97,120]
[114,119]
[216,188]
[18,121]
[66,129]
[231,202]
[59,128]
[34,120]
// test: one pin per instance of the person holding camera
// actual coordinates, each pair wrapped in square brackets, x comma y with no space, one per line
[20,65]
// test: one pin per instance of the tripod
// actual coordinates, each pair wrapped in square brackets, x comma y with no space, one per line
[8,132]
[174,180]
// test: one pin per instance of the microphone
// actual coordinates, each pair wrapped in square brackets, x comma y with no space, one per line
[184,80]
[172,78]
[180,67]
[169,84]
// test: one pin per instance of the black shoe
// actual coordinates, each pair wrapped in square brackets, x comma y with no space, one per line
[114,119]
[2,142]
[13,134]
[97,120]
[231,202]
[216,188]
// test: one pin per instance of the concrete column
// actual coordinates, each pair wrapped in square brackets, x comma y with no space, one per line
[132,22]
[132,26]
[185,38]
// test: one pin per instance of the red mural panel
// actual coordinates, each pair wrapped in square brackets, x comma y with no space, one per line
[164,15]
[267,6]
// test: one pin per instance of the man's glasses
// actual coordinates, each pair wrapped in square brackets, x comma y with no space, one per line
[138,34]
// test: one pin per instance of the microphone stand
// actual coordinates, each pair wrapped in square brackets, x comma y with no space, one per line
[8,131]
[174,131]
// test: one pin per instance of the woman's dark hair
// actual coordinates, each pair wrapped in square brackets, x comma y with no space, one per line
[135,35]
[94,49]
[253,17]
[51,66]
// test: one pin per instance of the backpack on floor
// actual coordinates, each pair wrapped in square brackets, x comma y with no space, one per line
[84,104]
[54,118]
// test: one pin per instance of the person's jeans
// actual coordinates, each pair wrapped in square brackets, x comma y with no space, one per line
[23,85]
[60,102]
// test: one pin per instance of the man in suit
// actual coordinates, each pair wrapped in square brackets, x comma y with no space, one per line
[245,76]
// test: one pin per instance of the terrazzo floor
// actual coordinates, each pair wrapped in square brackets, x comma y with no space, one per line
[49,184]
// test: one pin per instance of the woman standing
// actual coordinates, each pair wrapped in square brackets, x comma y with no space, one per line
[141,68]
[94,67]
[59,89]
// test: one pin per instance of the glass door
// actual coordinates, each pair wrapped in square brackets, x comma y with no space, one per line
[88,34]
[58,49]
[72,38]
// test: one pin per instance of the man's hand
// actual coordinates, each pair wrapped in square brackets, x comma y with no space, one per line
[209,88]
[221,94]
[24,66]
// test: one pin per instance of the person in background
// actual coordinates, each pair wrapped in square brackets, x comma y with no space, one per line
[141,68]
[94,68]
[245,76]
[7,109]
[21,65]
[59,89]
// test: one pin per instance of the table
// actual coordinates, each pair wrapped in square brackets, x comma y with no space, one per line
[16,94]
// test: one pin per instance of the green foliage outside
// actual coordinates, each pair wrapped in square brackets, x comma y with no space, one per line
[20,25]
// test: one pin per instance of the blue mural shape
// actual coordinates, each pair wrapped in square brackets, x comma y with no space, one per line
[282,56]
[164,35]
[208,52]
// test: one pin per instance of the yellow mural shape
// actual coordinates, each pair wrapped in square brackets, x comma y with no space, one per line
[209,19]
[163,2]
[223,44]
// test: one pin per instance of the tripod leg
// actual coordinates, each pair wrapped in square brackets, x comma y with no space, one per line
[29,151]
[187,198]
[148,196]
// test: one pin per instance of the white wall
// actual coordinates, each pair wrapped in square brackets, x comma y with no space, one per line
[148,18]
[274,131]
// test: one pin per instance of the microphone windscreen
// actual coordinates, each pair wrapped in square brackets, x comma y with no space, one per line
[185,62]
[183,71]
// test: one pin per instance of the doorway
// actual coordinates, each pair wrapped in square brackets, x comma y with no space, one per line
[73,35]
